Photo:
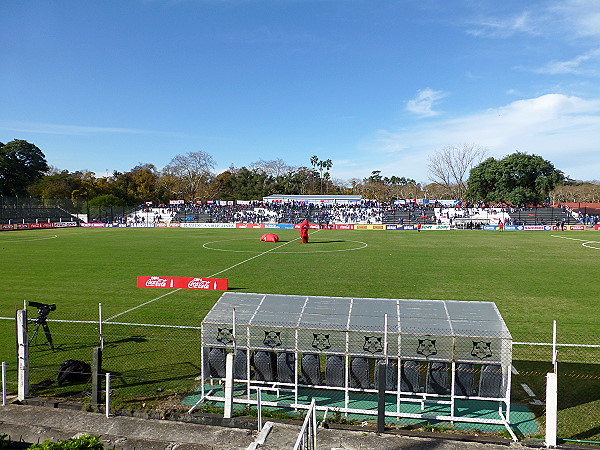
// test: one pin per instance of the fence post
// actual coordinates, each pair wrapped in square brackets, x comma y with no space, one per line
[96,374]
[3,383]
[107,394]
[381,373]
[22,355]
[551,409]
[100,326]
[554,352]
[228,385]
[259,408]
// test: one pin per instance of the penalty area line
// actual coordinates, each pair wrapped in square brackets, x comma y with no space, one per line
[210,276]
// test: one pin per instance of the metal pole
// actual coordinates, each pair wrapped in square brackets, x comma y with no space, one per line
[107,394]
[23,355]
[551,409]
[100,326]
[259,407]
[234,335]
[385,337]
[3,383]
[381,369]
[96,377]
[554,362]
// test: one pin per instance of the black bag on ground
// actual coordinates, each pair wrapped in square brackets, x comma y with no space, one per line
[74,371]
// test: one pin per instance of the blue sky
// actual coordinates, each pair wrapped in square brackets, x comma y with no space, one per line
[371,85]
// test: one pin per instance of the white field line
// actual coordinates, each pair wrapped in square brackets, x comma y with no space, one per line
[585,242]
[31,239]
[210,276]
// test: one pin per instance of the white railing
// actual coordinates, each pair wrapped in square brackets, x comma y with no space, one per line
[307,438]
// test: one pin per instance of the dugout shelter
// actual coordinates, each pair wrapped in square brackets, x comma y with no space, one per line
[445,358]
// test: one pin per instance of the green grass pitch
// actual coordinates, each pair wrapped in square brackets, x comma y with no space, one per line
[533,277]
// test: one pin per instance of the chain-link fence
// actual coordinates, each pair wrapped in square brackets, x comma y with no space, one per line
[157,367]
[578,369]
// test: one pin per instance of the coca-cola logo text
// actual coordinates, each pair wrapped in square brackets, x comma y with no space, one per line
[199,283]
[156,282]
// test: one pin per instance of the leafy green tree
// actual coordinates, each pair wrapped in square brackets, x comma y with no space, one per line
[106,200]
[517,179]
[21,164]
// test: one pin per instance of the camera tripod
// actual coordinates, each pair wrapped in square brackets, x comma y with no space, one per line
[41,322]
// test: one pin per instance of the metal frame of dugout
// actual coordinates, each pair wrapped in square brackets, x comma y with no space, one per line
[438,352]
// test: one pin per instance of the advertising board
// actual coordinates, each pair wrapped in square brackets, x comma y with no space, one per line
[369,227]
[207,225]
[65,224]
[249,225]
[208,284]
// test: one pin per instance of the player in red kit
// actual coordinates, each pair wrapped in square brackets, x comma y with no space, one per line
[304,231]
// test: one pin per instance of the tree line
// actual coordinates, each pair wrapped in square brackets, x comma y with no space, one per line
[462,173]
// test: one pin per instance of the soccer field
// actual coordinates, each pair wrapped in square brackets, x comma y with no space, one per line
[533,277]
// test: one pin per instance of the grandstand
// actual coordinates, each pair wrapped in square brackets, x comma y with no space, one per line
[33,210]
[374,213]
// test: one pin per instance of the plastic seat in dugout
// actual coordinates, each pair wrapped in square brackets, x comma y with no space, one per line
[464,379]
[334,370]
[391,376]
[311,369]
[437,378]
[286,364]
[490,381]
[240,364]
[410,376]
[265,365]
[359,373]
[216,362]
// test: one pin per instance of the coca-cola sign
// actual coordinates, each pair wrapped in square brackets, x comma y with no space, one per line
[158,282]
[209,284]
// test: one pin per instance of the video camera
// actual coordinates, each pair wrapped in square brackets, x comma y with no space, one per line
[43,310]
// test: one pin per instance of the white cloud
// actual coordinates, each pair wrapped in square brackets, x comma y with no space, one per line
[69,130]
[573,66]
[503,27]
[563,129]
[582,17]
[83,130]
[424,102]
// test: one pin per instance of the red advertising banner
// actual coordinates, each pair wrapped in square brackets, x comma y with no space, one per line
[312,226]
[249,225]
[208,284]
